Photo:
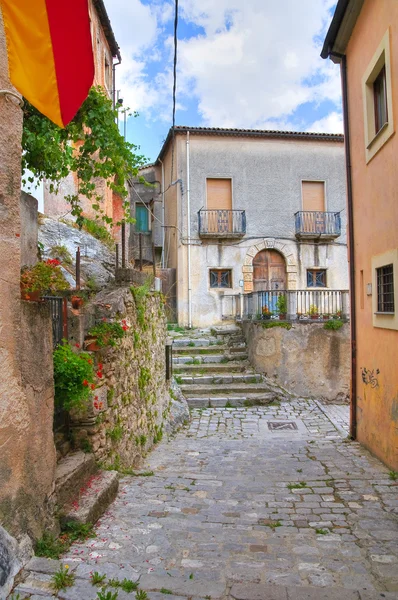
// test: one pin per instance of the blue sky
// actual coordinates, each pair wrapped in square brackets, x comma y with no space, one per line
[252,64]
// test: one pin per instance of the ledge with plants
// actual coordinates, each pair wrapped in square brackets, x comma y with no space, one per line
[105,333]
[74,377]
[45,277]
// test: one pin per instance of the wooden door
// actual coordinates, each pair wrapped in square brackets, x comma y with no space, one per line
[314,202]
[219,201]
[269,271]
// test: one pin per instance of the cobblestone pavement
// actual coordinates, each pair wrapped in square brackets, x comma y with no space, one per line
[235,509]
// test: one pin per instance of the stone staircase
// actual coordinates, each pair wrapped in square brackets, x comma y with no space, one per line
[212,369]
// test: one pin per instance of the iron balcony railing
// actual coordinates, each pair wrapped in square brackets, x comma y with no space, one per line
[314,224]
[222,223]
[303,305]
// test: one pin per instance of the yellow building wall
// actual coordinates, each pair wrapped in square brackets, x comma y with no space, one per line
[375,204]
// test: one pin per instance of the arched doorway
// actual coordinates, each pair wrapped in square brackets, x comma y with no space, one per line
[269,271]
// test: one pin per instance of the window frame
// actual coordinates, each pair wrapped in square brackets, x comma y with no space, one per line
[382,300]
[148,230]
[385,320]
[377,135]
[220,271]
[317,270]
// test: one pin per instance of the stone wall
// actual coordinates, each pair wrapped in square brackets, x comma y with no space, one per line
[29,230]
[133,388]
[306,359]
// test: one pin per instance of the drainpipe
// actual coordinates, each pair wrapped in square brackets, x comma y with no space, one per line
[163,218]
[114,65]
[350,212]
[189,239]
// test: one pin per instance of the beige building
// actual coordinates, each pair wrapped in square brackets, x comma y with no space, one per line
[106,52]
[246,212]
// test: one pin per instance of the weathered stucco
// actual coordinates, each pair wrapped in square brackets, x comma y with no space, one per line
[27,454]
[133,388]
[306,359]
[29,230]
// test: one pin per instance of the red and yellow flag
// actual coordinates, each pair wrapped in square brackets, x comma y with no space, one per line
[50,54]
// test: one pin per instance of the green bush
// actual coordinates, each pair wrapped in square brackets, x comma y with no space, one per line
[98,231]
[333,324]
[107,333]
[73,377]
[281,304]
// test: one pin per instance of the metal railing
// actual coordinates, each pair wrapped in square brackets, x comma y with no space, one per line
[225,223]
[307,305]
[316,223]
[58,318]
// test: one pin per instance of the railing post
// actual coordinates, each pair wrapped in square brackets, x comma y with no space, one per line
[344,304]
[78,268]
[291,304]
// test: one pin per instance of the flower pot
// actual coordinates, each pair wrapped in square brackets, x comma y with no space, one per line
[314,317]
[91,345]
[282,316]
[34,296]
[266,317]
[77,301]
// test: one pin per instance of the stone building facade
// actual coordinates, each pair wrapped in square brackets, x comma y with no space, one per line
[250,211]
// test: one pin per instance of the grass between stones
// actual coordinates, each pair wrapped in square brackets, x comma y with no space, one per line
[51,547]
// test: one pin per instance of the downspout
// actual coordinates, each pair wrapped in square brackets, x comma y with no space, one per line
[189,239]
[350,213]
[114,65]
[163,218]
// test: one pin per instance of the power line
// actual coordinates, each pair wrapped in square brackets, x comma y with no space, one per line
[174,87]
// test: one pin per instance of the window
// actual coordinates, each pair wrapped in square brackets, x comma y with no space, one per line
[376,87]
[220,278]
[316,277]
[380,100]
[313,195]
[385,289]
[141,218]
[384,284]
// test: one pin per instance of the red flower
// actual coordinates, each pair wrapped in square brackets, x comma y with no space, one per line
[100,366]
[85,382]
[96,405]
[99,374]
[77,345]
[53,262]
[124,327]
[90,362]
[92,386]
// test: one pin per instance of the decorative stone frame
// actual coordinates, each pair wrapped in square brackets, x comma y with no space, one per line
[270,244]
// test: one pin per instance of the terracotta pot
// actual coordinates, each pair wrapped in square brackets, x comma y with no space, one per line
[77,301]
[314,317]
[91,345]
[282,316]
[34,296]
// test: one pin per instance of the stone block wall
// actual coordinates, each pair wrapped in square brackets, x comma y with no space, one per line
[307,359]
[132,389]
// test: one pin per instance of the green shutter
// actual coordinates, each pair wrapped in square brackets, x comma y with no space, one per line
[141,216]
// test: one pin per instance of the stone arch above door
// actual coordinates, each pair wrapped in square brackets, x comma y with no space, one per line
[284,249]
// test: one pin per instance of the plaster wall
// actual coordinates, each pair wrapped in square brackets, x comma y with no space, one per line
[375,200]
[27,457]
[307,360]
[29,229]
[266,182]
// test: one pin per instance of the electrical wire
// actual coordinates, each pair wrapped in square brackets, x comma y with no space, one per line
[174,88]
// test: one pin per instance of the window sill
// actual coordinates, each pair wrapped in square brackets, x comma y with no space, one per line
[388,314]
[378,135]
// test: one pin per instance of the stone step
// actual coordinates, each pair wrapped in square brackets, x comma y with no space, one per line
[220,379]
[94,498]
[227,389]
[234,400]
[230,367]
[209,358]
[220,330]
[217,349]
[191,341]
[70,475]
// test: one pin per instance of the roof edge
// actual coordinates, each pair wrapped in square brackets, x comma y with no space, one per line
[107,27]
[341,27]
[262,133]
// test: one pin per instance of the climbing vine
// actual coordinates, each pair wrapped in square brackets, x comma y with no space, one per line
[90,146]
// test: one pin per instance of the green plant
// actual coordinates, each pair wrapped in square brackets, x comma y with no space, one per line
[191,344]
[281,304]
[139,295]
[107,595]
[78,531]
[50,547]
[321,531]
[92,285]
[178,379]
[165,591]
[270,324]
[73,377]
[107,332]
[90,146]
[393,475]
[129,586]
[45,276]
[228,404]
[98,231]
[191,576]
[15,597]
[333,324]
[86,445]
[141,595]
[62,253]
[62,578]
[313,311]
[292,486]
[116,433]
[299,470]
[96,578]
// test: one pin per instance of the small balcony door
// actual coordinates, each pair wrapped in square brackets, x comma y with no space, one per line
[219,200]
[314,201]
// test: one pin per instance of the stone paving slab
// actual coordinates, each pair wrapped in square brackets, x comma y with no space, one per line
[230,504]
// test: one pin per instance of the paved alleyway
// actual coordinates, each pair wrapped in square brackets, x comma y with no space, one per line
[237,510]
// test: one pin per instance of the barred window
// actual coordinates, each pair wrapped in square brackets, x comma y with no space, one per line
[385,289]
[220,278]
[316,278]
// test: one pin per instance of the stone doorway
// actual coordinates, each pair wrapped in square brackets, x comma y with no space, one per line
[269,271]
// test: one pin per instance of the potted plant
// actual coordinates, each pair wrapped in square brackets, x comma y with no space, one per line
[337,314]
[77,300]
[266,313]
[281,305]
[326,316]
[43,277]
[313,312]
[105,333]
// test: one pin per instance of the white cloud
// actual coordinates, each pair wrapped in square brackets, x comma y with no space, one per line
[332,123]
[247,65]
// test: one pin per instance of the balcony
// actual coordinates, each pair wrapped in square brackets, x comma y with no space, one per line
[317,225]
[222,223]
